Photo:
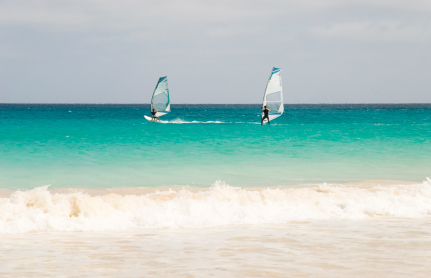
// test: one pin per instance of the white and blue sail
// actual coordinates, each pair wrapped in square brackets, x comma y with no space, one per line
[160,100]
[273,97]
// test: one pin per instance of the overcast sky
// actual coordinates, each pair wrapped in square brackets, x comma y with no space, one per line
[102,51]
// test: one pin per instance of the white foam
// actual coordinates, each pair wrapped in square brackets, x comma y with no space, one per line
[180,121]
[39,209]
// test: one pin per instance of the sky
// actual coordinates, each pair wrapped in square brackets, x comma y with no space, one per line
[94,51]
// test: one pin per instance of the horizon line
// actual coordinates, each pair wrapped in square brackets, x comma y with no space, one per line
[113,103]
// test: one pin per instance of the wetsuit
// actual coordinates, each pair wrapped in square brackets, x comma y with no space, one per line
[153,114]
[265,115]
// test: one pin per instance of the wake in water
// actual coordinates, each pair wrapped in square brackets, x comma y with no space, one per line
[180,121]
[39,209]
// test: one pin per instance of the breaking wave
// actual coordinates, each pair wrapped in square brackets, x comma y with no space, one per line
[40,209]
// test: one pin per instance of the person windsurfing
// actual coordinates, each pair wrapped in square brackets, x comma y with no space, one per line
[153,115]
[265,114]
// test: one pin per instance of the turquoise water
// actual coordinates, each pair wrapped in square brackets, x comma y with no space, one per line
[102,146]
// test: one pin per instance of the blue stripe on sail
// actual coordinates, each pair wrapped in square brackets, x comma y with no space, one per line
[275,70]
[274,114]
[162,78]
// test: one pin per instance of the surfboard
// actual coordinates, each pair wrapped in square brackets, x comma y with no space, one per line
[151,119]
[273,96]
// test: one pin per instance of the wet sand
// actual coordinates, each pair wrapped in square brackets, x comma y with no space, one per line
[385,247]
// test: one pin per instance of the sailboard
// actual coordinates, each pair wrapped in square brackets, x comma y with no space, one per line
[273,96]
[160,99]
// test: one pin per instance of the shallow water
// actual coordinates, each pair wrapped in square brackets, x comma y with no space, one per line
[103,146]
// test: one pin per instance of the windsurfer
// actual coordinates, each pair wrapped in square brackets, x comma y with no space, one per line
[265,114]
[153,115]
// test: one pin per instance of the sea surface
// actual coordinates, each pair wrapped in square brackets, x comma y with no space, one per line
[324,191]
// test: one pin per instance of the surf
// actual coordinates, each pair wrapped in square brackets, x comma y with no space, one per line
[220,205]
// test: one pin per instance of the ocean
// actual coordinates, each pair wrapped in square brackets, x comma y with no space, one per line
[334,190]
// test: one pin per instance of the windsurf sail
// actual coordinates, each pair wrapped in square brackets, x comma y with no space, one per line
[273,97]
[160,100]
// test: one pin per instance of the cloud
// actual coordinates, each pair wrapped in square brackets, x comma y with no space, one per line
[115,15]
[161,20]
[84,15]
[91,49]
[375,31]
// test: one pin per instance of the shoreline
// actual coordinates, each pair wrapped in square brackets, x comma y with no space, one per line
[123,191]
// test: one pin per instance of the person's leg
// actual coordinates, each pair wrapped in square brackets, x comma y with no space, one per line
[263,119]
[268,121]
